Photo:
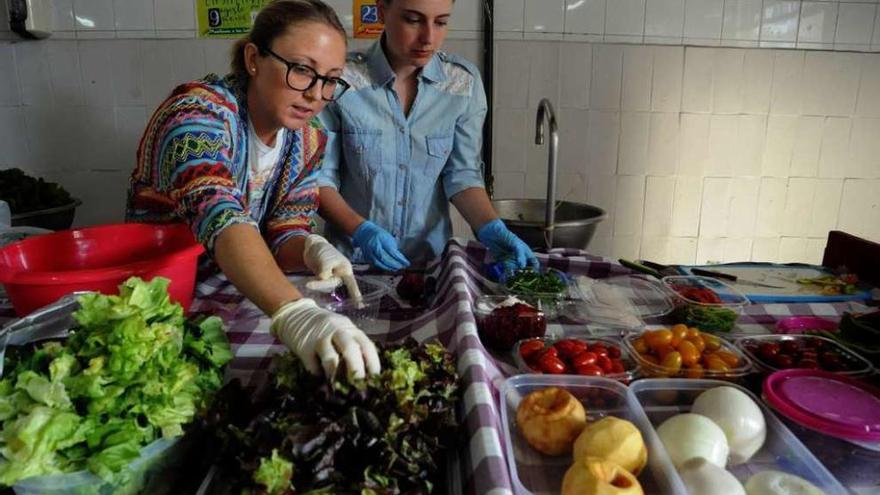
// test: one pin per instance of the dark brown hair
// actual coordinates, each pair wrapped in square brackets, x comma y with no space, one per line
[274,19]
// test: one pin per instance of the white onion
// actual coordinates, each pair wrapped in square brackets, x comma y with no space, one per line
[779,483]
[738,416]
[686,436]
[701,477]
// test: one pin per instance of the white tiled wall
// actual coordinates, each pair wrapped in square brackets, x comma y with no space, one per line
[73,107]
[700,154]
[807,24]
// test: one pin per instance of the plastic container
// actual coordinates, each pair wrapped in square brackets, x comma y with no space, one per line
[727,296]
[599,319]
[55,218]
[363,313]
[500,328]
[830,404]
[39,270]
[534,472]
[550,302]
[705,303]
[782,451]
[850,363]
[649,369]
[630,365]
[149,473]
[638,295]
[803,324]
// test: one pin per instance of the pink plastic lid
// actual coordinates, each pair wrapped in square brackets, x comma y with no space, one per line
[801,324]
[832,404]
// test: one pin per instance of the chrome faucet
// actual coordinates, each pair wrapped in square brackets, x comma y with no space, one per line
[545,112]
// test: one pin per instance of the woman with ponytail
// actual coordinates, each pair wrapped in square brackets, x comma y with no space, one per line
[237,157]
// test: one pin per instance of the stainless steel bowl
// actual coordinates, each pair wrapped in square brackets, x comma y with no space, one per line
[574,227]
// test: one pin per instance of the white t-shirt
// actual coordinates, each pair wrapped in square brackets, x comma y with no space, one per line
[261,161]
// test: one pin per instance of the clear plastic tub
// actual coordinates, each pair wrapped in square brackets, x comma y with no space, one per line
[630,365]
[727,296]
[550,302]
[638,295]
[705,303]
[850,363]
[149,473]
[500,330]
[782,451]
[533,472]
[363,313]
[648,368]
[599,319]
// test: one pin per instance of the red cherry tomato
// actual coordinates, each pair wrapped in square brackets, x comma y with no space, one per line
[569,348]
[551,364]
[613,352]
[547,351]
[617,366]
[590,370]
[529,348]
[604,362]
[584,359]
[783,361]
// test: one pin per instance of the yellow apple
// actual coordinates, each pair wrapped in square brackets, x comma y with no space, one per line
[593,476]
[613,439]
[550,419]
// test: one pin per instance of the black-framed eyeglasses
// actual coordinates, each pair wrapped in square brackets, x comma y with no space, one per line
[301,77]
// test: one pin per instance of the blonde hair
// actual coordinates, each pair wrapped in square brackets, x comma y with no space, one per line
[274,19]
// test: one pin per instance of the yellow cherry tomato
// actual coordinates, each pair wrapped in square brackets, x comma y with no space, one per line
[640,345]
[658,338]
[716,364]
[729,358]
[694,371]
[689,353]
[672,362]
[712,342]
[697,343]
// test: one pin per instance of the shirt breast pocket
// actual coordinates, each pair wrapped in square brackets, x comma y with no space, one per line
[363,151]
[439,149]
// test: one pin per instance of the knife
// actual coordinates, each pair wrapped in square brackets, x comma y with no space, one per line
[640,267]
[731,278]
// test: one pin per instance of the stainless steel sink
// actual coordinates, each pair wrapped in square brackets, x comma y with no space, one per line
[575,223]
[568,224]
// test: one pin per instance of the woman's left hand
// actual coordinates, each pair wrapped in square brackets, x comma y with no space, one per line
[505,244]
[326,261]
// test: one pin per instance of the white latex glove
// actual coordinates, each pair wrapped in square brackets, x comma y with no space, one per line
[325,261]
[319,336]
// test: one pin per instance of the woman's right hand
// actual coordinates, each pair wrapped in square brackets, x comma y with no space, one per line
[379,247]
[319,337]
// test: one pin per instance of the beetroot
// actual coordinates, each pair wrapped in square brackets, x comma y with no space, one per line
[412,288]
[505,325]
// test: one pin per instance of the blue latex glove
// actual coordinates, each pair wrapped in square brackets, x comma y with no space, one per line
[379,247]
[505,245]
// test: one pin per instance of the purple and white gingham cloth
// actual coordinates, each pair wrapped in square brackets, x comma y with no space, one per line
[451,321]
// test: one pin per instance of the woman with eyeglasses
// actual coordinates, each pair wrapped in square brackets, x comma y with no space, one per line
[236,158]
[405,141]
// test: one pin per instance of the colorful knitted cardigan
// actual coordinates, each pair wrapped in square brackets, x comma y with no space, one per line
[192,166]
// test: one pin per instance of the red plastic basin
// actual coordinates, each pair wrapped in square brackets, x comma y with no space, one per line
[39,270]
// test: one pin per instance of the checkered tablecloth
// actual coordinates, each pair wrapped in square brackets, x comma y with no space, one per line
[450,320]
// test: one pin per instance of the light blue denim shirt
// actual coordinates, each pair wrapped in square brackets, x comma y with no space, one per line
[400,170]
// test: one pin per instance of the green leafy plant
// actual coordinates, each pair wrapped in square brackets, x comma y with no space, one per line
[133,370]
[382,435]
[25,193]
